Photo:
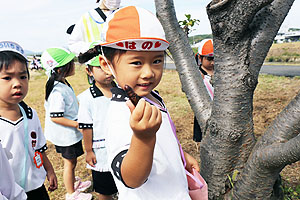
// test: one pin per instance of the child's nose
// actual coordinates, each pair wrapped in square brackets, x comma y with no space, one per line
[147,71]
[17,83]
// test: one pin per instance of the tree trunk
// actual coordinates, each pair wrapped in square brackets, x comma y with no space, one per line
[243,32]
[186,66]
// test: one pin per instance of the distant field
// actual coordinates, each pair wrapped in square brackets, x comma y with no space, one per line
[269,100]
[285,52]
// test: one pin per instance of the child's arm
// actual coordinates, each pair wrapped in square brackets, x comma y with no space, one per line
[88,145]
[50,172]
[191,162]
[145,121]
[65,122]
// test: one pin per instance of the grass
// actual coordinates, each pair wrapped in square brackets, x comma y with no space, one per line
[271,96]
[284,52]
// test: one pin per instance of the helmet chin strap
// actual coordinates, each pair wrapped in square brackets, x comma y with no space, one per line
[109,66]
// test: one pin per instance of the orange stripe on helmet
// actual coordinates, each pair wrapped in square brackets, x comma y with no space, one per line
[128,28]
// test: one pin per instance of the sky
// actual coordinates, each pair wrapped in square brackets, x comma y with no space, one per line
[40,24]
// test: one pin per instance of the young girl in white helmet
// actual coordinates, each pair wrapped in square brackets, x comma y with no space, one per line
[61,117]
[21,133]
[143,150]
[93,105]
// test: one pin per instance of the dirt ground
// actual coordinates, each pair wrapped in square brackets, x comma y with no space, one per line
[271,96]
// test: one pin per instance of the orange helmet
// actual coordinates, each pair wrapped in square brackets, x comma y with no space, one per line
[206,48]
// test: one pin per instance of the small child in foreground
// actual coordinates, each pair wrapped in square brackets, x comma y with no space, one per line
[21,133]
[143,150]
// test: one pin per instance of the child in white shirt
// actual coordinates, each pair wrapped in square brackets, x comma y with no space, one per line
[61,117]
[21,134]
[93,105]
[143,151]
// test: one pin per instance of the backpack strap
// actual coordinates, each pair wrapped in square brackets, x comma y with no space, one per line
[101,13]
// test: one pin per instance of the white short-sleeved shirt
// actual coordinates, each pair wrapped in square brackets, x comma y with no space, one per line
[61,102]
[167,179]
[86,31]
[9,189]
[92,113]
[12,137]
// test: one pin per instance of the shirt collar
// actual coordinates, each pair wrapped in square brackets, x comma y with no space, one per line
[95,91]
[27,109]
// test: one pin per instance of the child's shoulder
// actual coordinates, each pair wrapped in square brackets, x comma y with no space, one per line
[86,94]
[90,93]
[28,110]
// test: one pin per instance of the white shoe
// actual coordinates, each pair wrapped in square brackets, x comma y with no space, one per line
[81,186]
[79,196]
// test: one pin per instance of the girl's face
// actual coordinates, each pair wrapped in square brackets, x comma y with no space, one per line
[207,63]
[13,84]
[100,76]
[139,69]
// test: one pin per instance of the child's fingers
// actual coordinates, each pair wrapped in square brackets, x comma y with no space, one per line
[138,113]
[196,167]
[130,105]
[147,112]
[94,160]
[52,184]
[91,162]
[154,114]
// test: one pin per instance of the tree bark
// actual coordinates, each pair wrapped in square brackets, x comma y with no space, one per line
[243,32]
[278,147]
[185,63]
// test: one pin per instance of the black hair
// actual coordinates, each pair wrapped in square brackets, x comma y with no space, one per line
[109,53]
[9,57]
[57,75]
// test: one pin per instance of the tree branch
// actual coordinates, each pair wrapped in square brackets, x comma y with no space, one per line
[265,26]
[186,66]
[278,155]
[285,126]
[232,18]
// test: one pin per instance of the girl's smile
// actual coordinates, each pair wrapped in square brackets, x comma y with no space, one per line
[140,70]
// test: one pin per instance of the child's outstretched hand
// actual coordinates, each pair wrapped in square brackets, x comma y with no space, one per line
[91,158]
[145,119]
[191,163]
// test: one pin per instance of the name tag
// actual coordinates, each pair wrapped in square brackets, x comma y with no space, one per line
[38,159]
[98,144]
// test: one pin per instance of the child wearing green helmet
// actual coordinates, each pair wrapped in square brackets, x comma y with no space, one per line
[93,104]
[61,117]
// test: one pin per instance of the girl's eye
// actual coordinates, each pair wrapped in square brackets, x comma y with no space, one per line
[158,61]
[136,63]
[6,78]
[23,77]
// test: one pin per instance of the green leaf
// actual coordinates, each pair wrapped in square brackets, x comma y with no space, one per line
[234,175]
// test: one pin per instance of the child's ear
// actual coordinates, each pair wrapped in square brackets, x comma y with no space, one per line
[104,64]
[88,71]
